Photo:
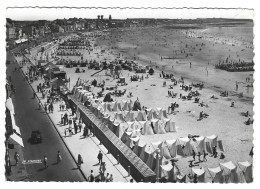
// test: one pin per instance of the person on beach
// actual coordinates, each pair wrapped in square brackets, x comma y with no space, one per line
[45,161]
[59,157]
[80,160]
[193,154]
[100,157]
[91,177]
[16,158]
[204,155]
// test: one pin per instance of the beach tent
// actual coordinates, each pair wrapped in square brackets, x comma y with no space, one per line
[165,151]
[183,146]
[155,125]
[216,174]
[147,129]
[126,106]
[198,144]
[126,136]
[129,116]
[135,127]
[141,116]
[158,126]
[151,114]
[200,174]
[119,117]
[169,172]
[211,141]
[246,171]
[172,147]
[230,172]
[138,148]
[149,156]
[117,107]
[120,129]
[157,144]
[146,152]
[131,141]
[162,114]
[180,178]
[170,126]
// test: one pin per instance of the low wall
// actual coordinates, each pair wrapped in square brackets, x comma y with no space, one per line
[138,169]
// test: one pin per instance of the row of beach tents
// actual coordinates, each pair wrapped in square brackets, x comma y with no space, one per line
[226,172]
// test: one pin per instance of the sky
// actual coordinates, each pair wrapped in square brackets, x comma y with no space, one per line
[60,13]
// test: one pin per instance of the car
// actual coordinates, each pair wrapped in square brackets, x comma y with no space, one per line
[36,137]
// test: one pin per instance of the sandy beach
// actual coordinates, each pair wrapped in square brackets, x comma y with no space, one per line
[149,47]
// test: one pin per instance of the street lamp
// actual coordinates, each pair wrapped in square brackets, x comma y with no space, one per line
[173,164]
[157,151]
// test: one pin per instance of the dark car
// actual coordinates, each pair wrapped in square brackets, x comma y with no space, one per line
[36,137]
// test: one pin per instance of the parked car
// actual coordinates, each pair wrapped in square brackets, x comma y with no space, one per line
[36,137]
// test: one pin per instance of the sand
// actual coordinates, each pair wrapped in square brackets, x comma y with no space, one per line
[147,46]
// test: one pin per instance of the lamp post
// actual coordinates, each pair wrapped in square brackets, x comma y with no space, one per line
[157,151]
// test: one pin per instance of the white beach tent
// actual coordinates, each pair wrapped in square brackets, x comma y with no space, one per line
[200,172]
[117,107]
[247,172]
[129,116]
[172,147]
[170,126]
[165,151]
[151,114]
[198,144]
[155,123]
[183,146]
[126,136]
[146,152]
[149,156]
[139,146]
[131,141]
[127,106]
[157,144]
[168,172]
[119,117]
[230,172]
[216,174]
[120,129]
[159,127]
[141,116]
[147,129]
[162,114]
[211,141]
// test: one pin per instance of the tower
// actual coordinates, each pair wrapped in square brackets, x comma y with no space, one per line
[98,17]
[102,16]
[110,18]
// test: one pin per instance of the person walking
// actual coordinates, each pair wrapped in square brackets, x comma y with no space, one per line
[107,177]
[102,168]
[80,125]
[80,160]
[100,157]
[16,158]
[59,157]
[111,178]
[91,177]
[45,161]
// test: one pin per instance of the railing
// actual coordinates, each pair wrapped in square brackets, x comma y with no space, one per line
[125,156]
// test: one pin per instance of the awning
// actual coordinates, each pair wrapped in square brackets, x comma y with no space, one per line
[9,105]
[17,139]
[15,127]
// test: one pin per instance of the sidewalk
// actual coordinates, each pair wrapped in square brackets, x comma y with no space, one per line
[87,147]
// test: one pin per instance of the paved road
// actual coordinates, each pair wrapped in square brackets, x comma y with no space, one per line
[28,118]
